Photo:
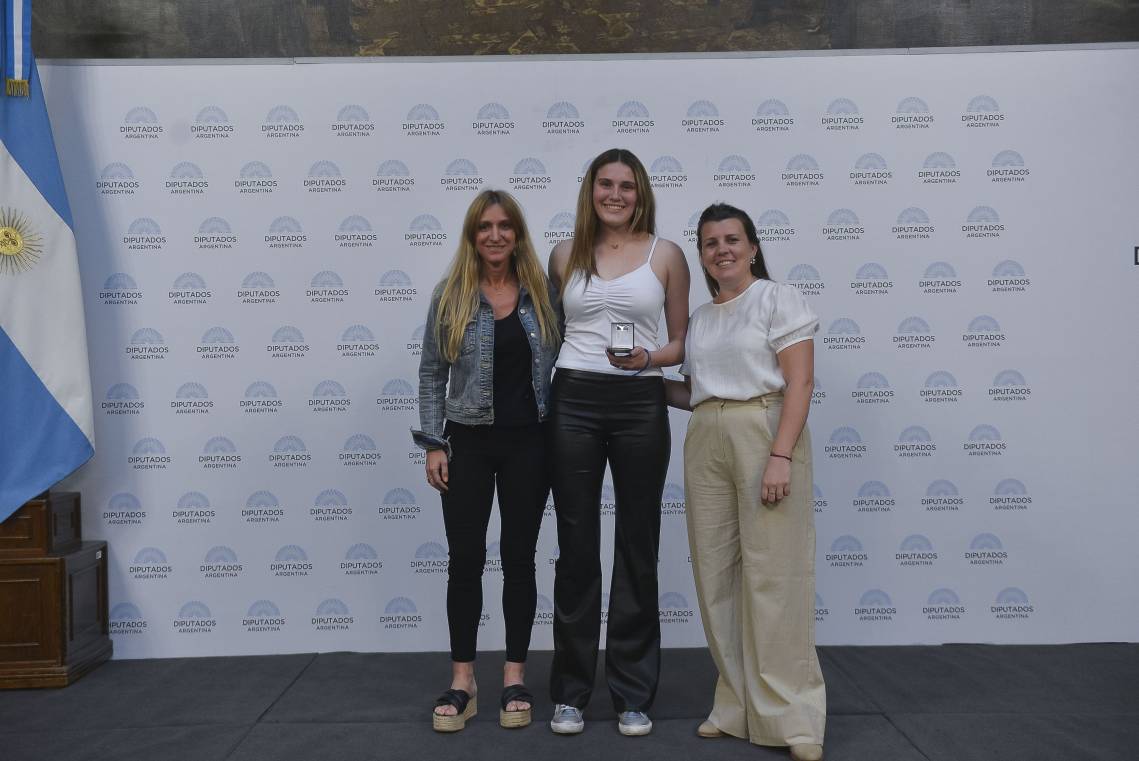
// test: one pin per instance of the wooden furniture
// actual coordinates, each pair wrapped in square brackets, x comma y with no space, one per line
[53,596]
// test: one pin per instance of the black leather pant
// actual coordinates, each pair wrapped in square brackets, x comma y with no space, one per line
[598,417]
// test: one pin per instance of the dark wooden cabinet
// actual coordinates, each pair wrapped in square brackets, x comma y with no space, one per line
[53,596]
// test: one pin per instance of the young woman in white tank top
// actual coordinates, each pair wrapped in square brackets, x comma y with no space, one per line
[611,408]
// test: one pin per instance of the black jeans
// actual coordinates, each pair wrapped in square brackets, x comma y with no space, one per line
[515,460]
[598,417]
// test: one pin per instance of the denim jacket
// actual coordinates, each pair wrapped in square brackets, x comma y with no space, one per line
[469,381]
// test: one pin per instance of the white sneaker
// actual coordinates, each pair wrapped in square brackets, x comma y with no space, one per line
[634,723]
[567,720]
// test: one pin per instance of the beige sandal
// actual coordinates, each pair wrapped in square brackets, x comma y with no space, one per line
[515,693]
[465,705]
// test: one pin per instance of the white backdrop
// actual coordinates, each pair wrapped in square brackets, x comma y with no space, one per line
[258,243]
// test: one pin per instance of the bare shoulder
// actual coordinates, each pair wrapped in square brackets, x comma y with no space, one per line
[671,254]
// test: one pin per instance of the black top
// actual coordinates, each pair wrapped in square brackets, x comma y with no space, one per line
[514,403]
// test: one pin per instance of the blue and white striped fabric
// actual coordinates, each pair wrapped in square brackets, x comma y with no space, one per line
[17,60]
[46,428]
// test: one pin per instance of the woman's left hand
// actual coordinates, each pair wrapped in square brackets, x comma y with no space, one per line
[776,483]
[635,361]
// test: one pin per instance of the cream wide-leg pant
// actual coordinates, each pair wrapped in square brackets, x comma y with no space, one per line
[755,573]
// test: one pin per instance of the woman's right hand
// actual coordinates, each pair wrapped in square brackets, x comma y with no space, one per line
[437,469]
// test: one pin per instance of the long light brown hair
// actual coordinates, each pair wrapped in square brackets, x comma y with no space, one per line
[460,297]
[581,257]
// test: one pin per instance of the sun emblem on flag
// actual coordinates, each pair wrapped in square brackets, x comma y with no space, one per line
[20,244]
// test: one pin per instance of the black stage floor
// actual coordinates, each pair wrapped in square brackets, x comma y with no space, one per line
[946,703]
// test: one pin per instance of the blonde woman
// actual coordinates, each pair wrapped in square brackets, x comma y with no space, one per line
[484,391]
[609,406]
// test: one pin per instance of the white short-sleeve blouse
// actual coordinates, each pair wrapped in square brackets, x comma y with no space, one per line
[731,348]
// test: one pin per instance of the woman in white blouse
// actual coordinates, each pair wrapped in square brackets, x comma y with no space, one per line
[748,485]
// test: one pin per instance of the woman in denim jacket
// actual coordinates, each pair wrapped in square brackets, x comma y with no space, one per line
[490,343]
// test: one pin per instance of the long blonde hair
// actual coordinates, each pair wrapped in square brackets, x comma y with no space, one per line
[460,297]
[581,257]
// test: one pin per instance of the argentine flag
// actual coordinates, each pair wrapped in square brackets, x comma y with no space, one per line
[46,429]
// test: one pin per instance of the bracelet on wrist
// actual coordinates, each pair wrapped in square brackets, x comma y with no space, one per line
[780,456]
[648,362]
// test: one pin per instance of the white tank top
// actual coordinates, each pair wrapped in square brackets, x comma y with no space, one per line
[636,297]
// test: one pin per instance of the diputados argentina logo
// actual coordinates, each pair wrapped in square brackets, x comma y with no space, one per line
[1012,603]
[844,334]
[327,287]
[871,279]
[117,179]
[913,224]
[674,609]
[942,496]
[939,277]
[1009,277]
[398,505]
[330,505]
[983,332]
[359,450]
[194,618]
[870,169]
[191,399]
[821,610]
[916,551]
[395,287]
[141,123]
[329,396]
[147,344]
[915,441]
[986,549]
[819,502]
[430,557]
[193,508]
[189,288]
[261,400]
[983,111]
[258,288]
[355,232]
[291,562]
[845,444]
[211,123]
[702,117]
[218,343]
[633,118]
[560,227]
[287,343]
[393,176]
[263,616]
[124,509]
[1008,166]
[939,169]
[943,605]
[219,453]
[772,226]
[122,399]
[415,345]
[819,394]
[120,289]
[843,225]
[282,122]
[285,232]
[941,388]
[985,441]
[772,115]
[357,341]
[221,563]
[1010,494]
[425,230]
[144,234]
[807,279]
[912,113]
[361,560]
[914,333]
[666,172]
[530,174]
[873,497]
[255,179]
[187,179]
[802,172]
[353,121]
[126,619]
[332,615]
[544,611]
[734,171]
[262,507]
[401,613]
[872,388]
[215,233]
[875,606]
[424,121]
[842,116]
[324,177]
[562,118]
[672,500]
[150,563]
[289,453]
[847,552]
[461,174]
[493,119]
[1009,386]
[149,454]
[983,222]
[398,395]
